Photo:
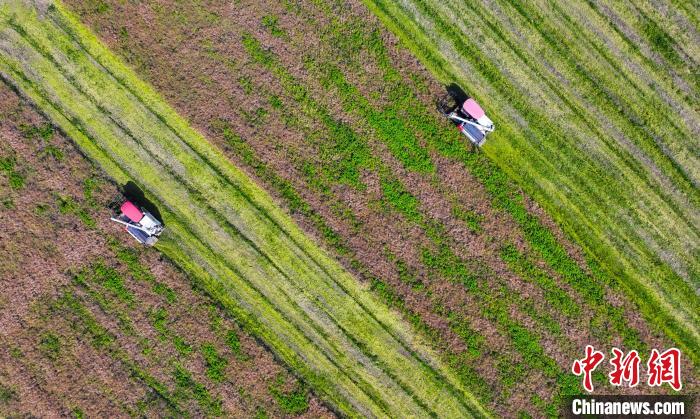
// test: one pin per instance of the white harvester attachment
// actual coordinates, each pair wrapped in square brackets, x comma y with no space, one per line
[141,224]
[470,119]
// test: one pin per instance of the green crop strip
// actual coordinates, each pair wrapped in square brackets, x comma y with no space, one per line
[107,287]
[14,177]
[401,141]
[224,230]
[553,295]
[349,152]
[621,253]
[215,363]
[459,362]
[293,402]
[185,382]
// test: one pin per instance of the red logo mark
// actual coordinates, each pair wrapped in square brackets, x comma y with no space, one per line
[625,368]
[587,365]
[665,367]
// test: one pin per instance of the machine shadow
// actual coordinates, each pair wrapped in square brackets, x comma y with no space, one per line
[459,95]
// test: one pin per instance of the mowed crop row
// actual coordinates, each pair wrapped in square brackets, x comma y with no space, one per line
[226,231]
[596,119]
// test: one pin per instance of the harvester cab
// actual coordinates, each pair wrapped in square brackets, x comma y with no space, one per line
[141,224]
[470,118]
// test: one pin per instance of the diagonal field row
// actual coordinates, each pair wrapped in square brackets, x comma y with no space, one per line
[593,128]
[225,230]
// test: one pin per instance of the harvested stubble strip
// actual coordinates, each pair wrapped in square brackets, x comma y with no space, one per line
[225,230]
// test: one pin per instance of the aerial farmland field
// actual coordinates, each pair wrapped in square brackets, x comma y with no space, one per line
[92,325]
[609,142]
[367,259]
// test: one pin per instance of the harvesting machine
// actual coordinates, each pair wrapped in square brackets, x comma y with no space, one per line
[470,119]
[141,224]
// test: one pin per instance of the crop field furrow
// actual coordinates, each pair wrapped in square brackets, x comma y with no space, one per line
[593,213]
[623,98]
[312,313]
[626,54]
[636,46]
[650,37]
[627,61]
[678,35]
